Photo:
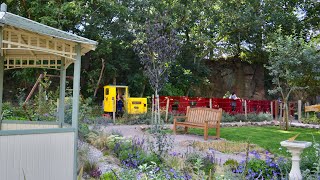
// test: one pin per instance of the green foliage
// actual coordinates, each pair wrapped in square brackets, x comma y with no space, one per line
[108,176]
[226,117]
[232,164]
[205,29]
[83,130]
[287,53]
[161,142]
[259,165]
[313,119]
[11,112]
[251,117]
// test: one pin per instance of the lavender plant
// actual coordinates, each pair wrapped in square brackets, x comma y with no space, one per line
[258,168]
[314,172]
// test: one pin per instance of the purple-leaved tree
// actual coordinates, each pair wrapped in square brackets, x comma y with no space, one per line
[157,47]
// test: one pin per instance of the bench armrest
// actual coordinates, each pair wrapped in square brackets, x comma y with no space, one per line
[176,117]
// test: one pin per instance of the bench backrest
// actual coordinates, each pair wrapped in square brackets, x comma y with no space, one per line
[315,108]
[200,115]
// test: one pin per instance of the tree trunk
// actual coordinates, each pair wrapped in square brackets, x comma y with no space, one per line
[143,88]
[286,114]
[114,80]
[100,78]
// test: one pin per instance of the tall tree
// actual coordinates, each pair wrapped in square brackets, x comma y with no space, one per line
[287,57]
[157,48]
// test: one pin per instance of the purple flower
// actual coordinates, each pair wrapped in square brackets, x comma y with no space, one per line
[255,153]
[95,173]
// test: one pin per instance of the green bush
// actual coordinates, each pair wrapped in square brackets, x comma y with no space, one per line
[233,164]
[253,117]
[11,112]
[264,117]
[240,117]
[313,119]
[83,130]
[226,117]
[108,176]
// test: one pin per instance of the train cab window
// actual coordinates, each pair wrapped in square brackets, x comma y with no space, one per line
[107,91]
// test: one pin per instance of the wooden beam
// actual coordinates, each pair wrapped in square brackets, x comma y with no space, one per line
[75,103]
[62,93]
[1,72]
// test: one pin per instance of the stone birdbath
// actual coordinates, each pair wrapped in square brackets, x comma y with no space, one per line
[295,148]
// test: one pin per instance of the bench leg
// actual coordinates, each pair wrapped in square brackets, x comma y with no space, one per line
[174,125]
[218,131]
[186,129]
[206,130]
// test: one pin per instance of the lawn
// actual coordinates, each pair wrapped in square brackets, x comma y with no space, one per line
[268,138]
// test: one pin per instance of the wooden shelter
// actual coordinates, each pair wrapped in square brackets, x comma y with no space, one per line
[39,150]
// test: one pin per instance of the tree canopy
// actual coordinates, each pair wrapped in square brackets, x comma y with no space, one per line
[207,30]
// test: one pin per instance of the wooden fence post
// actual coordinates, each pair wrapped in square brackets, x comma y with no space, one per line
[271,108]
[276,110]
[307,113]
[152,109]
[299,110]
[113,111]
[281,110]
[210,103]
[245,109]
[167,108]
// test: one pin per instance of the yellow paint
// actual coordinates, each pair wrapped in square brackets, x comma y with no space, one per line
[315,108]
[132,105]
[293,138]
[137,105]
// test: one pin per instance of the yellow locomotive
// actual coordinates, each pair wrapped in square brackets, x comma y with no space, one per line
[131,105]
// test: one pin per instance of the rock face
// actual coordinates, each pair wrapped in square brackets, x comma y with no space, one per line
[247,80]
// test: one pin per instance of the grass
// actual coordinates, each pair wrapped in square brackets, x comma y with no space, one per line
[268,138]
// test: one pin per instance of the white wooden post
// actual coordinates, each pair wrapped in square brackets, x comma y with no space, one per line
[75,103]
[299,110]
[1,72]
[307,113]
[152,110]
[210,103]
[114,110]
[276,109]
[245,109]
[271,108]
[158,110]
[281,110]
[167,108]
[62,92]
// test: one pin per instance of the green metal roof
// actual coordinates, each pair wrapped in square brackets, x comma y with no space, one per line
[33,26]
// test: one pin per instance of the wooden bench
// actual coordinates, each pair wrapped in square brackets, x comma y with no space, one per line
[203,118]
[314,108]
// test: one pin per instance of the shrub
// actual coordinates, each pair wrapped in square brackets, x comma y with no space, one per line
[83,130]
[209,162]
[257,168]
[227,117]
[89,164]
[160,142]
[233,164]
[240,117]
[264,117]
[313,119]
[109,176]
[310,163]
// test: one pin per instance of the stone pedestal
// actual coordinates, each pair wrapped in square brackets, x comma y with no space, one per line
[295,148]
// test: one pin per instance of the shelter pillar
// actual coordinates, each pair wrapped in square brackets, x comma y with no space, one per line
[1,72]
[62,93]
[75,103]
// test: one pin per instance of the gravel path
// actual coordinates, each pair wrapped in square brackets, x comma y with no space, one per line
[182,142]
